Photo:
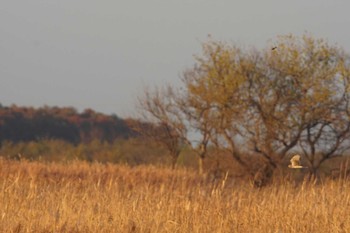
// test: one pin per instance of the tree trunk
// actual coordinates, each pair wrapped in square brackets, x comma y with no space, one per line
[312,173]
[173,162]
[200,165]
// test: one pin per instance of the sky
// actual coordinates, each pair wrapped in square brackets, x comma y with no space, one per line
[102,54]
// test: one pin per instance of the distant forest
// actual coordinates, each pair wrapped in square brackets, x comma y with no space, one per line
[23,124]
[55,134]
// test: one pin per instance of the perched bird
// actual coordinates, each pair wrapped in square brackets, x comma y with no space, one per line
[273,48]
[295,162]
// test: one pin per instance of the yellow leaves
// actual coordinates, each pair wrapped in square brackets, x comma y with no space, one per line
[219,74]
[302,70]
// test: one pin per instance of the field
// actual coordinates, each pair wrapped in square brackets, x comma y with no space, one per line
[83,197]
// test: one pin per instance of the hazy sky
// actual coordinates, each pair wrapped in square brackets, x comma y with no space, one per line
[101,54]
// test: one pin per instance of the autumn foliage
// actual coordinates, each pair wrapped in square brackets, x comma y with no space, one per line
[18,124]
[273,103]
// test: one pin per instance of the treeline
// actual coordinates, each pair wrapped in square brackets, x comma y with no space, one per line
[64,134]
[24,124]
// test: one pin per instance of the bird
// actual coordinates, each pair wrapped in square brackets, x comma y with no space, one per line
[295,162]
[273,48]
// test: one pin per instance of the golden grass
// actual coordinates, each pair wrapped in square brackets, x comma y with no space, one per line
[82,197]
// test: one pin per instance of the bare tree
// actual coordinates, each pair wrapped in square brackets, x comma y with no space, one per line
[166,123]
[179,119]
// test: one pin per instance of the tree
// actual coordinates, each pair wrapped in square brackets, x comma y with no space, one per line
[165,122]
[212,99]
[176,116]
[275,100]
[270,102]
[300,96]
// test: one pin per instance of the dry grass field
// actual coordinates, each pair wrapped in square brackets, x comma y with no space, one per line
[83,197]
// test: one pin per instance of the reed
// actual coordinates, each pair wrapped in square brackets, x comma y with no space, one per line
[83,197]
